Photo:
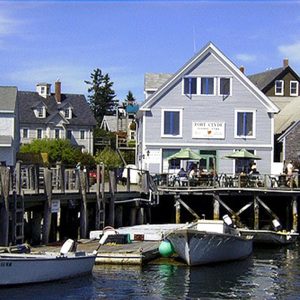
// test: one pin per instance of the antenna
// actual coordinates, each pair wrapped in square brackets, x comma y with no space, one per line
[194,39]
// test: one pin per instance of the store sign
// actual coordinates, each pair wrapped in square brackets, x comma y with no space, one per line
[208,130]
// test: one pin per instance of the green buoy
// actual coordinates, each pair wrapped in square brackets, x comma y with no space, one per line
[166,248]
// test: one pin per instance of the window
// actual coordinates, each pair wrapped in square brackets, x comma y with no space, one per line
[171,123]
[40,112]
[57,133]
[82,134]
[245,123]
[224,86]
[42,89]
[294,88]
[69,134]
[190,85]
[207,86]
[279,85]
[67,113]
[25,133]
[39,133]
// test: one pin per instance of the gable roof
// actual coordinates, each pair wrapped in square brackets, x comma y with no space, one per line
[265,80]
[153,81]
[287,116]
[8,98]
[261,80]
[111,123]
[82,114]
[210,48]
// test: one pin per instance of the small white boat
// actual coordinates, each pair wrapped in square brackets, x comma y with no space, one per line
[33,268]
[271,237]
[210,241]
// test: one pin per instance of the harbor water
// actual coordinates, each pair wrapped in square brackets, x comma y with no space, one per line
[270,273]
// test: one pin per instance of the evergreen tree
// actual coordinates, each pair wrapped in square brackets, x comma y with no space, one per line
[130,98]
[101,98]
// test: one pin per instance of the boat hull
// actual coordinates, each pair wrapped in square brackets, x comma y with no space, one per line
[271,237]
[27,268]
[198,248]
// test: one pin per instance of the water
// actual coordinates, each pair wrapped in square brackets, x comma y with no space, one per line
[267,274]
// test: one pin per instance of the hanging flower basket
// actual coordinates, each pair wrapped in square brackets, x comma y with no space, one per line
[132,126]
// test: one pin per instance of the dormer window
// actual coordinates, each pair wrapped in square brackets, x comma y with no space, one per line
[43,89]
[40,112]
[68,113]
[279,87]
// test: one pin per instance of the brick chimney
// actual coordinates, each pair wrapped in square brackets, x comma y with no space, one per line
[242,69]
[58,91]
[285,62]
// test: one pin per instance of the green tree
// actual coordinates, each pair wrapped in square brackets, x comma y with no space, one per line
[101,98]
[109,157]
[129,98]
[59,150]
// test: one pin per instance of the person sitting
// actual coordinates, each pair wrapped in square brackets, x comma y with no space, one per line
[253,169]
[182,176]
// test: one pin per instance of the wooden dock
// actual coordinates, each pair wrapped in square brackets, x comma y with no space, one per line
[134,253]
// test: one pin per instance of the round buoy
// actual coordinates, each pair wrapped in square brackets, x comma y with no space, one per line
[166,248]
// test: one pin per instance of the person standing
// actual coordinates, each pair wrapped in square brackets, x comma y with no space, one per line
[290,169]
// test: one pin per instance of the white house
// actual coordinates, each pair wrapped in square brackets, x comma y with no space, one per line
[210,106]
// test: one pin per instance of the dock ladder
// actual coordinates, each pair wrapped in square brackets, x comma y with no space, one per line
[18,219]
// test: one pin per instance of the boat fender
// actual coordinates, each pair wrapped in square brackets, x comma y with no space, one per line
[166,248]
[67,246]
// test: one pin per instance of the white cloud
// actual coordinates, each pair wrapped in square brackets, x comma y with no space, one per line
[246,57]
[7,25]
[292,51]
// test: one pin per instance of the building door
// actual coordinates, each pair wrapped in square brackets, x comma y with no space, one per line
[208,161]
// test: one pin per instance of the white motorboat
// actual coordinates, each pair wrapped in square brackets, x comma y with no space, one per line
[271,237]
[210,241]
[18,268]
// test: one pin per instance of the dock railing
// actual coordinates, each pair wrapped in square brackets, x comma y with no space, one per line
[208,181]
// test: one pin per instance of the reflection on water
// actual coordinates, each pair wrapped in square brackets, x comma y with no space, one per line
[267,274]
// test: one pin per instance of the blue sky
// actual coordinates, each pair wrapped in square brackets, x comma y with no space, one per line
[41,41]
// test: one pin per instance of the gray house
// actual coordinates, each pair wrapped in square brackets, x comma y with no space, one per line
[9,125]
[56,115]
[210,106]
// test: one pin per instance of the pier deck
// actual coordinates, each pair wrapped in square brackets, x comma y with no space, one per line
[135,253]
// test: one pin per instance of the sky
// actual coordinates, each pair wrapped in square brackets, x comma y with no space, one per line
[42,41]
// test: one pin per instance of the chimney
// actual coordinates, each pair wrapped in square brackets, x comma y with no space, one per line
[242,69]
[285,62]
[58,91]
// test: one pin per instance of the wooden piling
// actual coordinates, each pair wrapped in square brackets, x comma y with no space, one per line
[177,209]
[5,182]
[18,178]
[119,216]
[100,200]
[256,214]
[61,177]
[47,205]
[112,189]
[83,207]
[295,214]
[140,216]
[216,206]
[128,180]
